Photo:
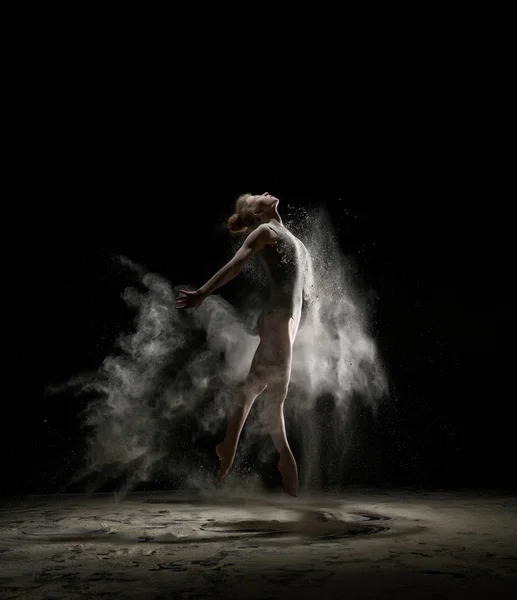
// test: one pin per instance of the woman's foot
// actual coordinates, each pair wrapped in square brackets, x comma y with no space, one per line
[289,470]
[226,457]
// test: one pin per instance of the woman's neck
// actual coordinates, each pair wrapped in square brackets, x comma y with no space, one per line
[275,219]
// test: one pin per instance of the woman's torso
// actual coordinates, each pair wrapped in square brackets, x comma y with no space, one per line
[284,262]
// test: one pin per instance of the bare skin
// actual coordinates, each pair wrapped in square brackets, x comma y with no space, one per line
[270,369]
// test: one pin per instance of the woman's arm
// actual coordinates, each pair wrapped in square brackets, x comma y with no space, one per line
[254,243]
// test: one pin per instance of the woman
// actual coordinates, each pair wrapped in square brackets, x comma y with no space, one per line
[284,258]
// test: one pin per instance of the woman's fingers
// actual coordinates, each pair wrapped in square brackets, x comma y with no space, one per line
[183,302]
[188,300]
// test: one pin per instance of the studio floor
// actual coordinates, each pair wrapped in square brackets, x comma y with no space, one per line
[357,544]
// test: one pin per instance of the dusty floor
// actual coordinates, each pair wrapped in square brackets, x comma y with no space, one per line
[159,545]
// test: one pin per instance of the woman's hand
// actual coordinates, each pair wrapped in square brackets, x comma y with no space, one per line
[189,299]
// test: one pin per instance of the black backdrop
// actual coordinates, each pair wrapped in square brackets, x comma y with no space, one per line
[412,168]
[437,261]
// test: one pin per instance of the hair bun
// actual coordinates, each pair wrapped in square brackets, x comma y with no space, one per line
[236,224]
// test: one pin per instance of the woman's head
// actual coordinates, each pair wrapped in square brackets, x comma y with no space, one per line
[251,210]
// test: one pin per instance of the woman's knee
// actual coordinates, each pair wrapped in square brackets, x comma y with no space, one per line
[253,386]
[277,390]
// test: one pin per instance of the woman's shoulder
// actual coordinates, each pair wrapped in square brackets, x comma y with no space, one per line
[268,230]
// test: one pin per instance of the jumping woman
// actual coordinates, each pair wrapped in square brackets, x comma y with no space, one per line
[284,258]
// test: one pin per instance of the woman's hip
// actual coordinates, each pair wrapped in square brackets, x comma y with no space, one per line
[277,323]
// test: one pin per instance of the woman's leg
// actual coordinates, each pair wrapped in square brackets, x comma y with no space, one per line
[273,413]
[249,391]
[271,369]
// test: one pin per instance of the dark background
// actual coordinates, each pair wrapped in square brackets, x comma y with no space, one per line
[412,168]
[441,321]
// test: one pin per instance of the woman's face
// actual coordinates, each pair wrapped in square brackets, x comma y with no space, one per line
[263,202]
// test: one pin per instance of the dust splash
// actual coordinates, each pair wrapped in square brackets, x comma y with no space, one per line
[176,365]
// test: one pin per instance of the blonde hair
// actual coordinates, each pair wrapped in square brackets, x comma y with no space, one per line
[244,216]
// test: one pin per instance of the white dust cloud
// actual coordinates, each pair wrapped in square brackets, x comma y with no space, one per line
[187,364]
